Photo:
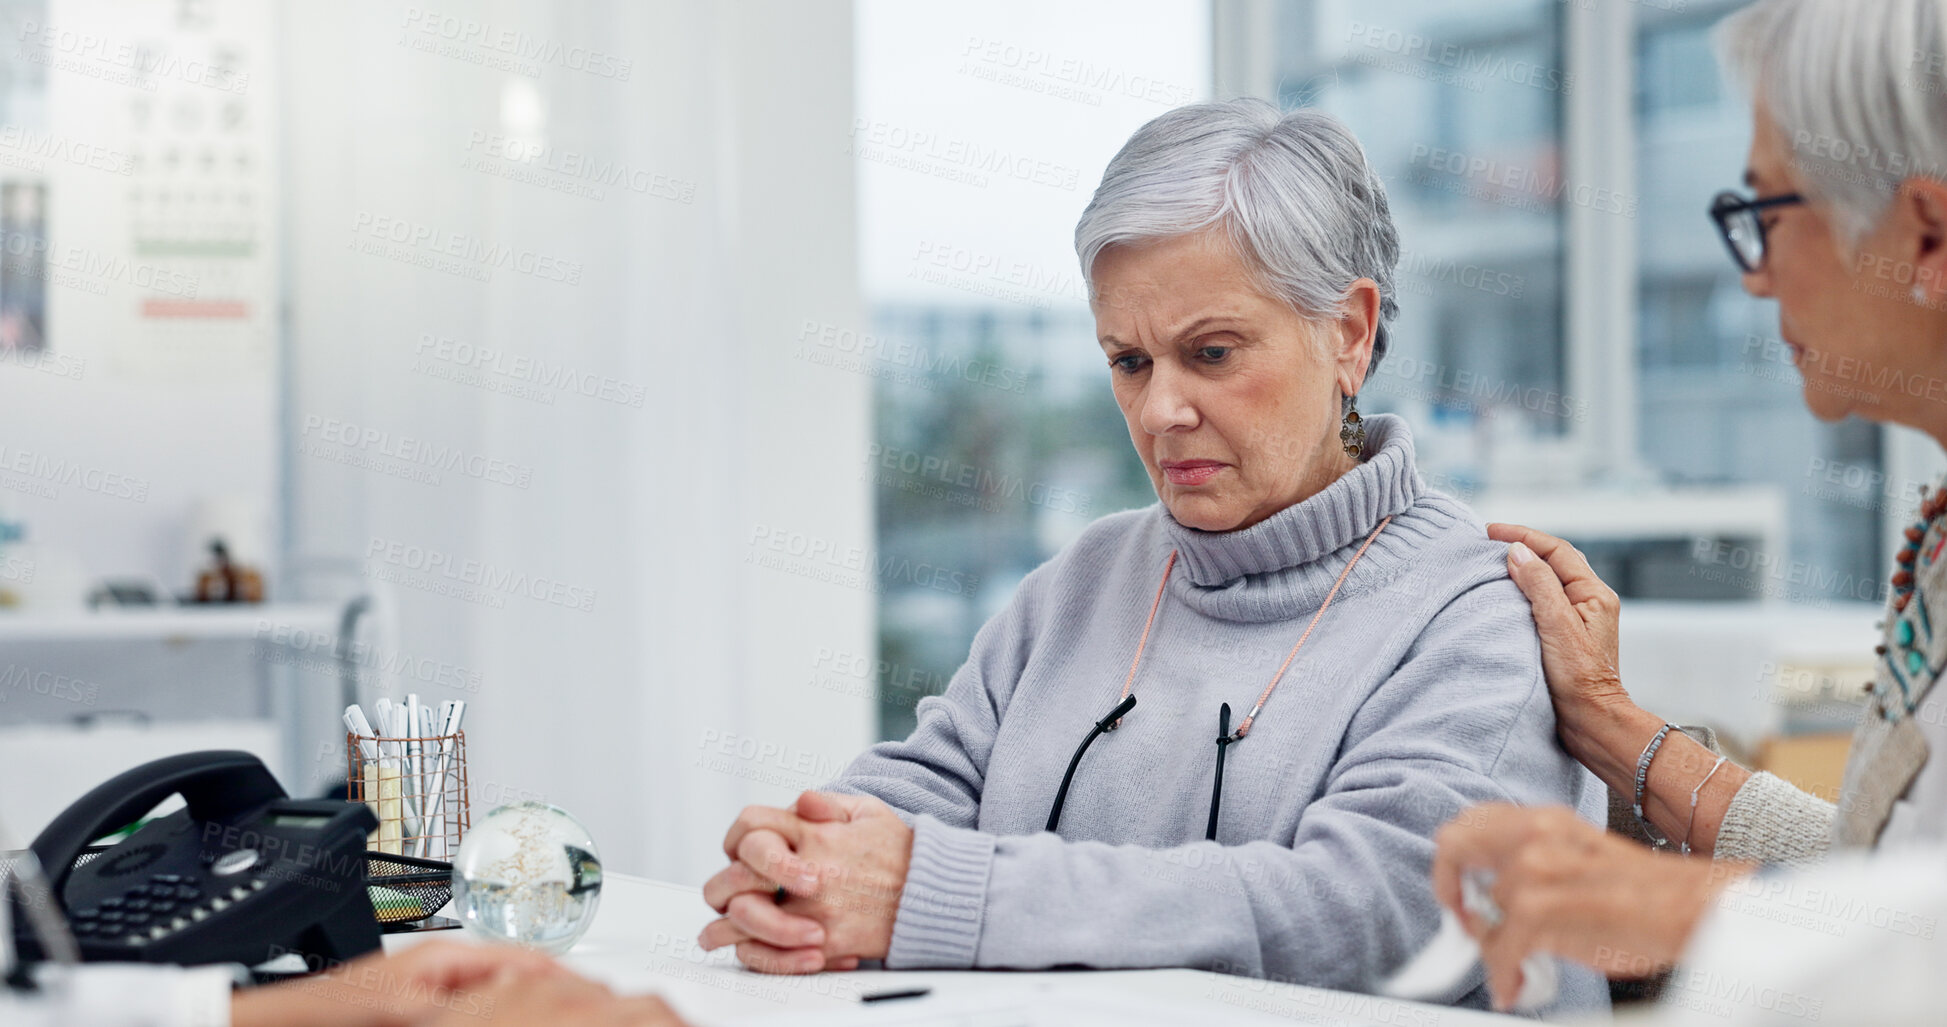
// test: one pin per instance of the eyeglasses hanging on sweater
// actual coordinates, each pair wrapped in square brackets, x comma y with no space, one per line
[1225,737]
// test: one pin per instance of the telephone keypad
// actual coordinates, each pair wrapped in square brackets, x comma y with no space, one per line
[152,910]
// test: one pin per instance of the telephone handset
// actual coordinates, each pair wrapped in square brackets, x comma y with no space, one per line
[241,875]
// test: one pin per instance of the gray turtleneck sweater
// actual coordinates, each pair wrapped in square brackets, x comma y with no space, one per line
[1420,693]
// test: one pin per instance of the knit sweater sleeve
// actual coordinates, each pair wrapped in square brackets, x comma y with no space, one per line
[1769,821]
[1465,718]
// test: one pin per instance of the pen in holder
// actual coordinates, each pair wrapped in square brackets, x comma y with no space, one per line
[416,787]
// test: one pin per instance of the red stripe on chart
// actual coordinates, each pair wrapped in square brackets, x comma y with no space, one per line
[196,308]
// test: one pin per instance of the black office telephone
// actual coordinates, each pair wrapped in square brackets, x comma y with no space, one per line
[242,875]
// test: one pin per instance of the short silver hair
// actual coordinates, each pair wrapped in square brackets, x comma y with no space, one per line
[1291,189]
[1856,89]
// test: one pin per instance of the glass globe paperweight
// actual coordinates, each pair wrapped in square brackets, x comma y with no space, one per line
[527,874]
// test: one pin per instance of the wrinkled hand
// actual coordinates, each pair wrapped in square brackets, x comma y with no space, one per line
[1570,889]
[1577,616]
[842,861]
[443,982]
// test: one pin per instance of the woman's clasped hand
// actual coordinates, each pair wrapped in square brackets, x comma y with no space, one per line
[811,888]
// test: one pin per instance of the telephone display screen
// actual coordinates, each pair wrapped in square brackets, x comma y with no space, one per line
[298,820]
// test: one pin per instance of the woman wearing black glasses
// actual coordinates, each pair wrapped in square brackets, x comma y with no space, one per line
[1218,732]
[1847,230]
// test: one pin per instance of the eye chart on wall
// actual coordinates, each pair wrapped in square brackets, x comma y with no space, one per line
[139,278]
[161,238]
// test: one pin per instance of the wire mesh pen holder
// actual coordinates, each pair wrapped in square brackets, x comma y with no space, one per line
[420,797]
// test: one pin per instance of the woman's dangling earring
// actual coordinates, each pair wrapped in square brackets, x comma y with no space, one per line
[1352,433]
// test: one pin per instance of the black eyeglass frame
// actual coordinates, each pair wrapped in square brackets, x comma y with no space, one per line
[1225,739]
[1727,205]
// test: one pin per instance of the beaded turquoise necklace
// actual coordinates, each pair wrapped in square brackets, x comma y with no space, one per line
[1911,631]
[1931,507]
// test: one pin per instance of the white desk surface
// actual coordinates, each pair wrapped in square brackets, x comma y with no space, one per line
[644,940]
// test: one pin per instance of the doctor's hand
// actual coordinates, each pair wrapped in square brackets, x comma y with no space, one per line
[443,982]
[841,860]
[1570,889]
[1577,617]
[552,1000]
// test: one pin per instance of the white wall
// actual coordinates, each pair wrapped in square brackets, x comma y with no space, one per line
[605,712]
[111,438]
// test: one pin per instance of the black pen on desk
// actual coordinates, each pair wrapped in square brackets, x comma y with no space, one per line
[887,996]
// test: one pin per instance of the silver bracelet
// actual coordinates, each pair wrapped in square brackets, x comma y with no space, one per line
[1691,827]
[1642,778]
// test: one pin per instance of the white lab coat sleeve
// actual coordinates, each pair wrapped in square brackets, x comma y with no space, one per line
[1857,940]
[131,995]
[124,995]
[112,994]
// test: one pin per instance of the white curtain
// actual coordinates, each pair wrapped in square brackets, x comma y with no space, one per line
[413,137]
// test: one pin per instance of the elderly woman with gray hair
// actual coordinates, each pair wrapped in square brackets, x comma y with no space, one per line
[1329,658]
[1847,230]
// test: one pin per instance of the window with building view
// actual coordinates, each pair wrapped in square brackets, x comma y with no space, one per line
[1463,108]
[981,133]
[1720,402]
[1458,108]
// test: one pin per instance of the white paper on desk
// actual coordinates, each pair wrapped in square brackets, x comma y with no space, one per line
[1072,1005]
[1436,974]
[928,1011]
